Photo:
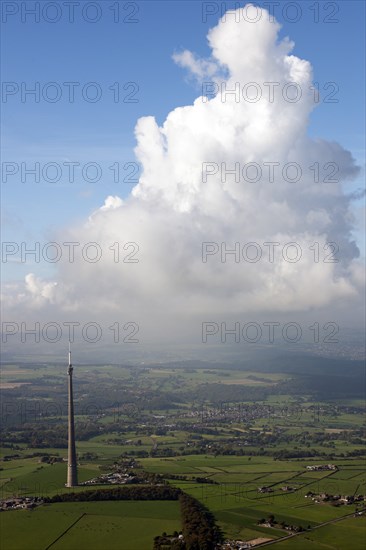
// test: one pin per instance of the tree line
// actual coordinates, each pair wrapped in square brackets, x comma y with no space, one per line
[132,492]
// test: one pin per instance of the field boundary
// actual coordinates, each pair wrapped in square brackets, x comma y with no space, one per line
[66,530]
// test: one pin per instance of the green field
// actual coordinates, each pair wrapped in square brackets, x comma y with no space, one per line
[349,533]
[28,477]
[238,506]
[128,525]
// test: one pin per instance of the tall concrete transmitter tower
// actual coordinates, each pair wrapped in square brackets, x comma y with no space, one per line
[72,470]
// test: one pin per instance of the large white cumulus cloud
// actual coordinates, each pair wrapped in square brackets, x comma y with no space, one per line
[173,209]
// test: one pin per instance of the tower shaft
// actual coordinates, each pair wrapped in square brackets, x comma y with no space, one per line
[72,474]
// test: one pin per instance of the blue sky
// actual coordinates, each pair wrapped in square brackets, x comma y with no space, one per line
[141,52]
